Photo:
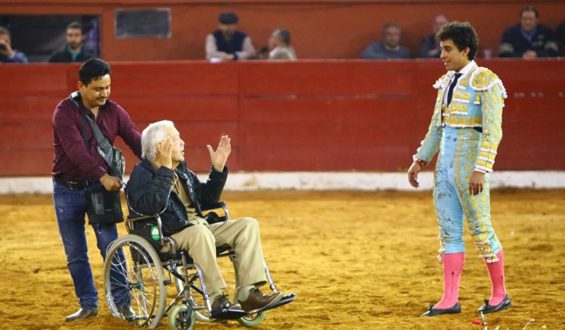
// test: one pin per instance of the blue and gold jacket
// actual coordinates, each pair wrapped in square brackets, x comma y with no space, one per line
[478,100]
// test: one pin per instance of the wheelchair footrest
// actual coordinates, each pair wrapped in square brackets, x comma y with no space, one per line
[287,298]
[229,314]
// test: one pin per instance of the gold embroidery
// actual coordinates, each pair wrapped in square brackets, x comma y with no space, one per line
[462,95]
[457,108]
[483,78]
[456,121]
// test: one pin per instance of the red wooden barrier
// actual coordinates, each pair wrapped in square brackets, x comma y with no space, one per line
[307,116]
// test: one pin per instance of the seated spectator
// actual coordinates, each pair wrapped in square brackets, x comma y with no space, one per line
[228,43]
[429,47]
[528,39]
[279,44]
[7,53]
[390,47]
[74,50]
[560,37]
[161,183]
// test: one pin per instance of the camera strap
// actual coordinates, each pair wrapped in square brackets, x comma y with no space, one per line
[104,147]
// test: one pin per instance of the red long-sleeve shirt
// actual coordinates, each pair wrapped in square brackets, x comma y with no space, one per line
[76,161]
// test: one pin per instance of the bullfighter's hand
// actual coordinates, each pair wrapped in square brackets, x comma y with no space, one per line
[476,183]
[413,171]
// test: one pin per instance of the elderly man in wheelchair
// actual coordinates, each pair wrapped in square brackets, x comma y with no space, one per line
[172,228]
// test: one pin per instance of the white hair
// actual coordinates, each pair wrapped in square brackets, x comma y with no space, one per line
[151,136]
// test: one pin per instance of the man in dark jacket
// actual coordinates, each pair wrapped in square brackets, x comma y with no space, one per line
[429,46]
[390,47]
[528,39]
[161,184]
[74,50]
[7,53]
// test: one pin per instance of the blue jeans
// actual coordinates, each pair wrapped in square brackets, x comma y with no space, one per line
[70,208]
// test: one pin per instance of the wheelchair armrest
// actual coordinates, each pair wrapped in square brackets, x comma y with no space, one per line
[216,213]
[144,217]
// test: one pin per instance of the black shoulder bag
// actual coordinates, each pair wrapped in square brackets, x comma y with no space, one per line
[102,206]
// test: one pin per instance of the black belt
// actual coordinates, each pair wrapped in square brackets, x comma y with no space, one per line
[72,185]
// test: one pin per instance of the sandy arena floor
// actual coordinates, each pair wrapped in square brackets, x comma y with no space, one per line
[356,260]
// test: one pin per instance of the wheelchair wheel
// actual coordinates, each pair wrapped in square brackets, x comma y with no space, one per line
[181,317]
[133,275]
[252,320]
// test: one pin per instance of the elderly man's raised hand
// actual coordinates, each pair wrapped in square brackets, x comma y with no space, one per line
[165,153]
[220,156]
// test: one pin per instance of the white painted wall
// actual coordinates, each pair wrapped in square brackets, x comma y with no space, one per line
[367,181]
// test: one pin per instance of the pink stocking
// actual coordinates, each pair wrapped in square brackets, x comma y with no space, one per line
[496,273]
[452,269]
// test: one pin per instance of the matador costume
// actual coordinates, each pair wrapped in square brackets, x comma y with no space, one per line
[467,132]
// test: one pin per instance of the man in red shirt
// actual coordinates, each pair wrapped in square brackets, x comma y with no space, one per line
[78,165]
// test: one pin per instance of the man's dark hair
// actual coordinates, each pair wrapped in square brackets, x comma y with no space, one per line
[93,69]
[3,30]
[529,8]
[74,25]
[463,35]
[284,35]
[228,18]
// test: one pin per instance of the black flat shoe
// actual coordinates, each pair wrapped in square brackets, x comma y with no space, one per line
[486,308]
[439,311]
[81,314]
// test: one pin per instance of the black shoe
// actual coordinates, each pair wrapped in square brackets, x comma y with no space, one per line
[127,312]
[486,308]
[223,308]
[439,311]
[82,313]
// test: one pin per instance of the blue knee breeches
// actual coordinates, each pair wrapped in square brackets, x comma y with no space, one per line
[453,202]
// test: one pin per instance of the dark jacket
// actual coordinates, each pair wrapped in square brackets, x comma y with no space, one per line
[150,192]
[427,44]
[515,44]
[18,57]
[378,51]
[65,56]
[234,45]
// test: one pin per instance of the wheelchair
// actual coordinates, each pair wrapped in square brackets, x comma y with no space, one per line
[135,263]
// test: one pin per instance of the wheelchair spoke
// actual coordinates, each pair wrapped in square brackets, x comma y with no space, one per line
[134,275]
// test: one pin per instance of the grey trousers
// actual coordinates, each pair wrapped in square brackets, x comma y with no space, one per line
[241,235]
